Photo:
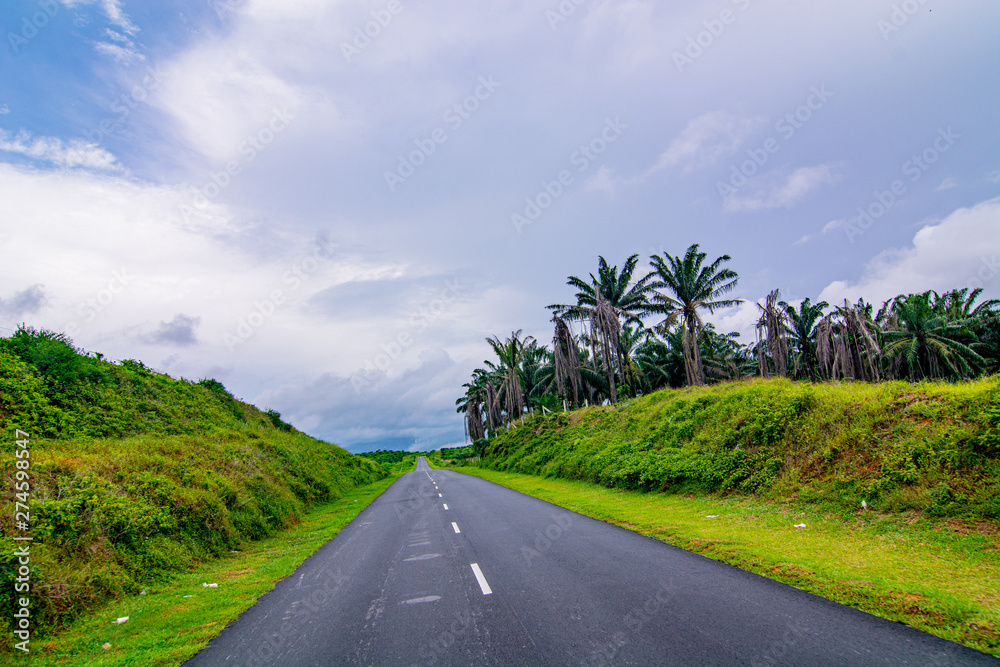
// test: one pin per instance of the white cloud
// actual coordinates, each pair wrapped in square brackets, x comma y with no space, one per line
[834,225]
[112,10]
[741,319]
[963,250]
[787,192]
[4,109]
[121,48]
[604,181]
[705,139]
[219,105]
[74,153]
[947,184]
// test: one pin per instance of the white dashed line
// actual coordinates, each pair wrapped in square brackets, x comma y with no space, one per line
[481,579]
[445,505]
[455,526]
[440,496]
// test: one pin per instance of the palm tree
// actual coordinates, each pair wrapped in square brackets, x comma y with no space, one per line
[565,362]
[607,302]
[628,300]
[847,343]
[772,337]
[724,357]
[511,353]
[692,287]
[802,327]
[922,341]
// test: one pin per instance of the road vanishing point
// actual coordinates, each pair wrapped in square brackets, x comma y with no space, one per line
[449,569]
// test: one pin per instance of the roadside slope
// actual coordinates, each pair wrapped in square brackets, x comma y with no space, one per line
[135,476]
[927,447]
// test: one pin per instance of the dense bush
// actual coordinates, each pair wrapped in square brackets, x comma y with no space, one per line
[135,476]
[932,447]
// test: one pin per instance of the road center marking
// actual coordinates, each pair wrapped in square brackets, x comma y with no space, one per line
[440,496]
[455,526]
[445,505]
[481,579]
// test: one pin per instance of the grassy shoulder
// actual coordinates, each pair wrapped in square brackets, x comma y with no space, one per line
[940,577]
[176,619]
[929,447]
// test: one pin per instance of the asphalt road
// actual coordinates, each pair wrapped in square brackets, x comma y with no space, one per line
[450,569]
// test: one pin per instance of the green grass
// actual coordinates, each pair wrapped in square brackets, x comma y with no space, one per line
[136,476]
[166,627]
[940,577]
[928,447]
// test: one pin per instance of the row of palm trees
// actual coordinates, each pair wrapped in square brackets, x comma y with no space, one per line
[616,355]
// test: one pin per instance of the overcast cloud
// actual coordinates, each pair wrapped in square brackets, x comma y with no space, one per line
[328,206]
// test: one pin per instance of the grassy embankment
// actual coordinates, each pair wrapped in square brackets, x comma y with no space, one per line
[766,455]
[138,479]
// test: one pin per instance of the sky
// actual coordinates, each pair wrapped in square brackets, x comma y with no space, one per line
[328,206]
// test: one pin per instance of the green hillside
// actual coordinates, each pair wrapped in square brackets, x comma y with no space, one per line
[929,447]
[136,476]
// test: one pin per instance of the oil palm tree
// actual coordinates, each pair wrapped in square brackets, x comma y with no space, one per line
[629,300]
[511,352]
[923,341]
[802,325]
[690,287]
[607,302]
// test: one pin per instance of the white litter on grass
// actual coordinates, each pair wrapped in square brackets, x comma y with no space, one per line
[106,646]
[864,505]
[121,620]
[210,585]
[800,525]
[712,516]
[187,596]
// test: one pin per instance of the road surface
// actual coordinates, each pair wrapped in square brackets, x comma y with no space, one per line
[449,569]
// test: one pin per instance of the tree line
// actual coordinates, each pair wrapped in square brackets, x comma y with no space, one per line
[614,353]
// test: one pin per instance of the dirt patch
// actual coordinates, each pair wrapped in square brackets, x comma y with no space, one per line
[235,573]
